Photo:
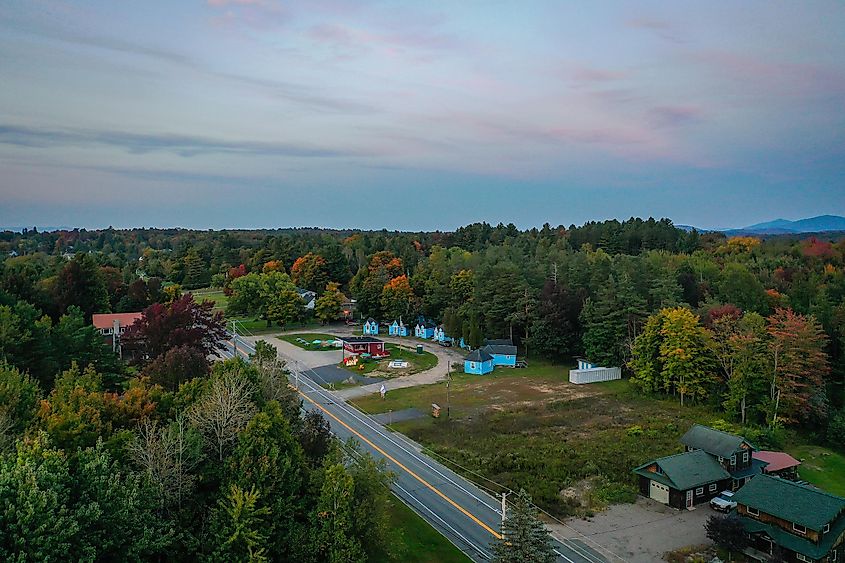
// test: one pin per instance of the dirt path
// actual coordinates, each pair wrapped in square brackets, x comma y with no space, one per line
[445,356]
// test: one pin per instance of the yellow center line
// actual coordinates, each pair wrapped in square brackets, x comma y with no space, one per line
[496,534]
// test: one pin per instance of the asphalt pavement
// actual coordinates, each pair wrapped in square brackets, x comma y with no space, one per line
[465,514]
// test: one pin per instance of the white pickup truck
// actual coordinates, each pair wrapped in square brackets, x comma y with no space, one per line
[723,502]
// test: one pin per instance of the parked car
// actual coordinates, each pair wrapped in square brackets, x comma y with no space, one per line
[723,502]
[444,343]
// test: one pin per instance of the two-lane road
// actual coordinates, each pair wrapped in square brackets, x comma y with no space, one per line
[469,517]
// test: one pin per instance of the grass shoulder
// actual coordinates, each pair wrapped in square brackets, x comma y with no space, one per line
[415,541]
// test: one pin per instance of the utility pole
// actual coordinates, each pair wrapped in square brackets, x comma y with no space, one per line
[448,381]
[235,337]
[504,494]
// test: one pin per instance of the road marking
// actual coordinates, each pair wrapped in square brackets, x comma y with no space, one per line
[443,522]
[472,517]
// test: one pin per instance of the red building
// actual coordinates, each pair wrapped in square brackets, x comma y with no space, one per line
[355,345]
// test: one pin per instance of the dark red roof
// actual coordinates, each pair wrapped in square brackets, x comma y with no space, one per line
[776,460]
[106,320]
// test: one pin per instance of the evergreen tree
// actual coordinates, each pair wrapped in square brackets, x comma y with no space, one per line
[524,537]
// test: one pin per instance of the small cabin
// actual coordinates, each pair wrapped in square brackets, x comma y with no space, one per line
[440,335]
[370,327]
[397,329]
[424,330]
[478,362]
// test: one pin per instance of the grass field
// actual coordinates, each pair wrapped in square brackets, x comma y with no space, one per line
[820,466]
[531,428]
[216,296]
[417,362]
[310,337]
[416,541]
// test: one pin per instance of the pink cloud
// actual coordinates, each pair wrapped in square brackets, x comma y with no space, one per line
[674,116]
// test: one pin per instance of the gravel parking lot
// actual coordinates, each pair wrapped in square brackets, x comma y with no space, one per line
[641,532]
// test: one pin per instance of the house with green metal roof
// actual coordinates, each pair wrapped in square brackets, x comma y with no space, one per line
[683,480]
[792,522]
[734,453]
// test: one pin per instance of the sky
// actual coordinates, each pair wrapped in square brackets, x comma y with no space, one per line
[419,115]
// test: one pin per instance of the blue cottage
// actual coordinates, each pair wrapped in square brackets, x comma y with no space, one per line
[478,363]
[424,330]
[502,354]
[370,327]
[397,329]
[586,364]
[440,335]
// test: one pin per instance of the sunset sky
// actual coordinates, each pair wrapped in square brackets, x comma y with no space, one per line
[419,115]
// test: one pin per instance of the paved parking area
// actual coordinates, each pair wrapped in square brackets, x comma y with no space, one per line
[641,532]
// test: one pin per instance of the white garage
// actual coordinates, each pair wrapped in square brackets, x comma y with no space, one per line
[659,492]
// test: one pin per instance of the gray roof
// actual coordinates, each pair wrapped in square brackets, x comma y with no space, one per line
[714,441]
[499,341]
[790,501]
[685,471]
[502,349]
[478,356]
[371,320]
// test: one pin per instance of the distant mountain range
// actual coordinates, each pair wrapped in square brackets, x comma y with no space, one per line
[785,227]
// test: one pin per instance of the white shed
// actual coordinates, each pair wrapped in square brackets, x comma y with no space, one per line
[594,375]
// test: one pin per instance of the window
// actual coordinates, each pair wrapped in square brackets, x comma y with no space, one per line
[752,511]
[833,555]
[699,491]
[799,528]
[712,487]
[733,459]
[826,528]
[744,456]
[472,365]
[721,459]
[800,557]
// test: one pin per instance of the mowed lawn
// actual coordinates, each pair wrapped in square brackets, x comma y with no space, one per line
[216,296]
[416,362]
[415,541]
[310,337]
[820,466]
[530,428]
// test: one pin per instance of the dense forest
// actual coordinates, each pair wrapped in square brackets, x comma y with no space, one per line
[105,459]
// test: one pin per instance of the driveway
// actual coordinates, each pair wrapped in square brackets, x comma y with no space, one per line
[641,532]
[318,359]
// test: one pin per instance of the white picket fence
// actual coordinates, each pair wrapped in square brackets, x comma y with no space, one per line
[594,375]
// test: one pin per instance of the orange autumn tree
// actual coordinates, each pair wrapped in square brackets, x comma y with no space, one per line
[397,298]
[310,272]
[800,365]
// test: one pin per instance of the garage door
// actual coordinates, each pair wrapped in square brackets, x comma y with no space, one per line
[659,492]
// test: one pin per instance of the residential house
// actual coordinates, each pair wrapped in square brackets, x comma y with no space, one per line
[424,329]
[356,345]
[478,362]
[790,522]
[398,328]
[371,327]
[683,480]
[348,307]
[732,452]
[778,464]
[113,325]
[309,298]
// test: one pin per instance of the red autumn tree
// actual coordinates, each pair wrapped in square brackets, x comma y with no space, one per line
[184,322]
[800,365]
